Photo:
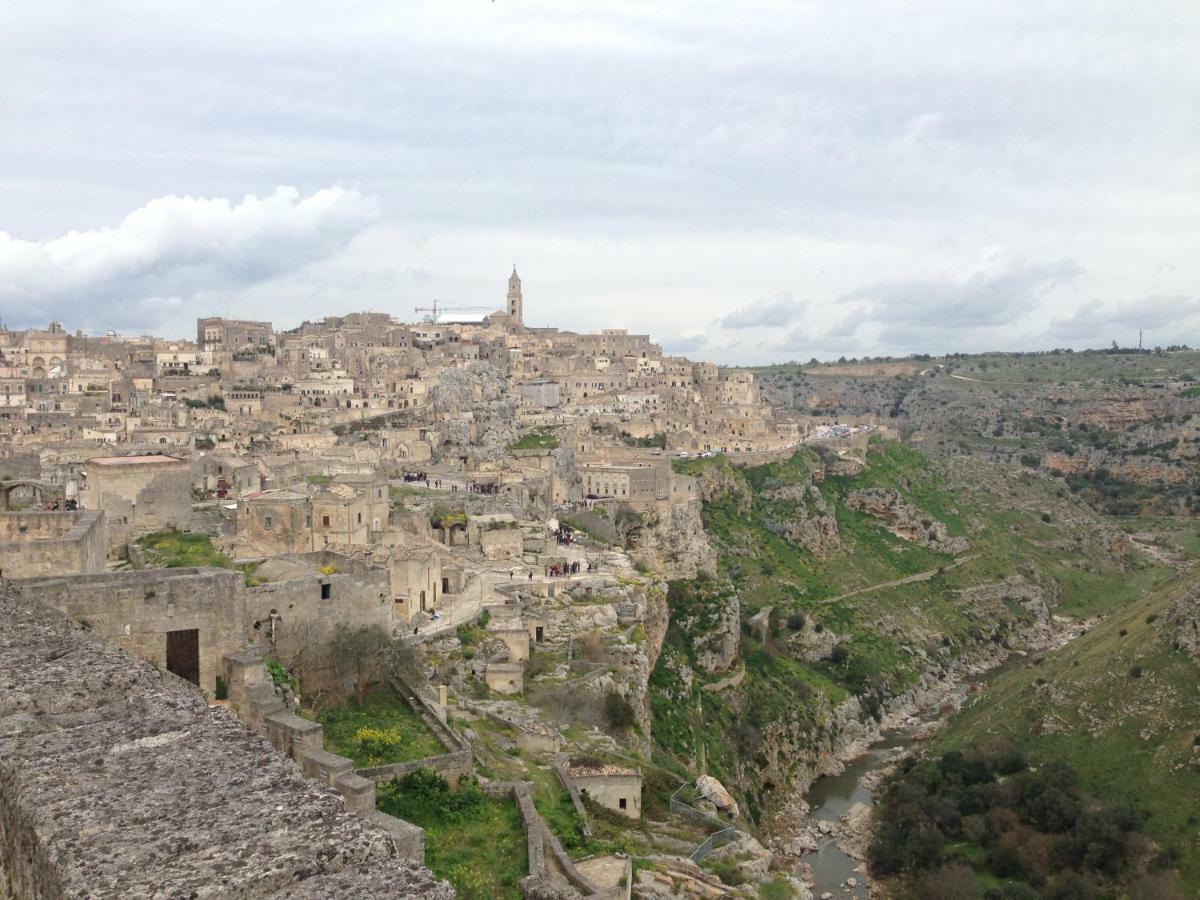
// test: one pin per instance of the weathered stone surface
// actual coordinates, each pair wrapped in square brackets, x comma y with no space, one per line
[118,780]
[904,520]
[713,790]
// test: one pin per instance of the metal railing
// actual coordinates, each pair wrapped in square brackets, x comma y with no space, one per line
[720,839]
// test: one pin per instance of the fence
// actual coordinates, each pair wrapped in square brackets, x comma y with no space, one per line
[726,835]
[720,839]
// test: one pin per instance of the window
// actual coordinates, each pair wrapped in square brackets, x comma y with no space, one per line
[623,803]
[267,522]
[326,590]
[360,518]
[325,521]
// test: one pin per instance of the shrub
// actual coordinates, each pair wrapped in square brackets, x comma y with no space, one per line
[619,712]
[377,743]
[796,621]
[1135,672]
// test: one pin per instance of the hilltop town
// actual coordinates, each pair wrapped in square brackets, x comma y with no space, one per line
[474,515]
[498,610]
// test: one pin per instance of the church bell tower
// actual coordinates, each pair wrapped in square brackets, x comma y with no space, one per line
[515,300]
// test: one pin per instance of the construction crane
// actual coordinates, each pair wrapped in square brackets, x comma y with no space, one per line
[432,312]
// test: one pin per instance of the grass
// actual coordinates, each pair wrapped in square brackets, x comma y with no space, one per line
[190,549]
[537,439]
[184,549]
[554,804]
[482,855]
[383,710]
[1130,739]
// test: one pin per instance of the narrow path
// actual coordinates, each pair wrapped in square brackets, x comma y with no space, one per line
[920,576]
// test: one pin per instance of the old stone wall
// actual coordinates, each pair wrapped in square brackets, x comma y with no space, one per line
[34,544]
[137,610]
[118,780]
[354,599]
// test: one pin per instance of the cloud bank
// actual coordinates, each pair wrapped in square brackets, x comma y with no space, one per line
[143,271]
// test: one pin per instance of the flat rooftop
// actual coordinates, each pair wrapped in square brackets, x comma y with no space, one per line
[149,459]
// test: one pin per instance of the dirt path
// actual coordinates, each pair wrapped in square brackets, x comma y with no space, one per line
[911,579]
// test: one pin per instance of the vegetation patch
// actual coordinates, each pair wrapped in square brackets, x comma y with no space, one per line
[985,823]
[537,439]
[474,841]
[381,730]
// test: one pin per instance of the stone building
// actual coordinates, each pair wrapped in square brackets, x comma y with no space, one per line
[34,544]
[139,493]
[185,620]
[613,787]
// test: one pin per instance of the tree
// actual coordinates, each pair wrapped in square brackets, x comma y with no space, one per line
[360,655]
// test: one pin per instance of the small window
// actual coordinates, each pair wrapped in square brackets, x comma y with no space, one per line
[326,590]
[623,803]
[325,521]
[267,523]
[360,518]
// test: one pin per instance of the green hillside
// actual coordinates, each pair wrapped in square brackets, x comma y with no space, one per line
[1121,705]
[1029,542]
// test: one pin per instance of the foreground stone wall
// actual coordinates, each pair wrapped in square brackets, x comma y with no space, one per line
[117,780]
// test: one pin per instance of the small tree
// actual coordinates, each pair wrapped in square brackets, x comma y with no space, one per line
[360,656]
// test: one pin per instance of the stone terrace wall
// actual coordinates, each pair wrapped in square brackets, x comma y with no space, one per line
[52,543]
[118,780]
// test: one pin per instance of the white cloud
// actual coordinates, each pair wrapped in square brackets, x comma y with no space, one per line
[142,271]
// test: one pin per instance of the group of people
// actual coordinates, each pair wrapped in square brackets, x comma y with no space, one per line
[483,487]
[559,570]
[417,476]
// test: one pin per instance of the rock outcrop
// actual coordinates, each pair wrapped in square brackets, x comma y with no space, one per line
[904,520]
[814,523]
[1182,621]
[675,545]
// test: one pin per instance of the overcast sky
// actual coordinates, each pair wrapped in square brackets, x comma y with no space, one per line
[746,181]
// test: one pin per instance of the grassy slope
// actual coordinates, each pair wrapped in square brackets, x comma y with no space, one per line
[1002,513]
[1129,738]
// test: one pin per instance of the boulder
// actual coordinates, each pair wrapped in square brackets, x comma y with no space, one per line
[714,791]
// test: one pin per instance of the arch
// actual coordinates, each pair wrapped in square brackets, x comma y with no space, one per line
[43,491]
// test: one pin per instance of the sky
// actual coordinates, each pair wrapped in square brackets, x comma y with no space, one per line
[748,182]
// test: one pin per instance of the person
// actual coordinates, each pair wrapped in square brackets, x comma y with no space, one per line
[531,574]
[414,629]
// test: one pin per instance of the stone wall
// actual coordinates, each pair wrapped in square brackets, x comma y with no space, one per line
[136,611]
[118,780]
[33,544]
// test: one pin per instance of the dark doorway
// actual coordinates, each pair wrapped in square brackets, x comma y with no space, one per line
[183,654]
[539,634]
[445,585]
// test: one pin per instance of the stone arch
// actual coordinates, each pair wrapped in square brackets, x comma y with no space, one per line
[43,491]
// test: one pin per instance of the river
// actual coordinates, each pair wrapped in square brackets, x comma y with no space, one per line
[832,796]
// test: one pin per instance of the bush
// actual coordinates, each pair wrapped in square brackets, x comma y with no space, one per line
[619,712]
[796,621]
[377,743]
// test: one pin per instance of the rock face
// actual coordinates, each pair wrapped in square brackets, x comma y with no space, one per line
[676,545]
[118,780]
[814,526]
[713,626]
[904,520]
[1182,621]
